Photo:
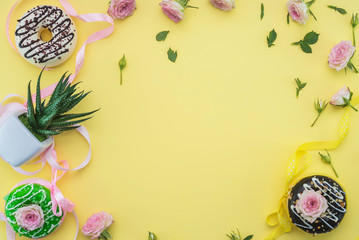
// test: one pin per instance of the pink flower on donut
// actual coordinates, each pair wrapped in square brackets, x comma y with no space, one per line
[341,55]
[173,10]
[298,11]
[30,217]
[311,205]
[97,224]
[120,9]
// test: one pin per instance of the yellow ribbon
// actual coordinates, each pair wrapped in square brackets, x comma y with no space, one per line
[280,217]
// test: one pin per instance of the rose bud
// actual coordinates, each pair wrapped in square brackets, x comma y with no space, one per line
[342,98]
[224,5]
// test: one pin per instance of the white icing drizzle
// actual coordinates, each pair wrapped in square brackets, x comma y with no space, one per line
[307,225]
[330,226]
[25,198]
[333,192]
[332,217]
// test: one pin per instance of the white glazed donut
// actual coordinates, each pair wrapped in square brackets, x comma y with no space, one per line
[41,53]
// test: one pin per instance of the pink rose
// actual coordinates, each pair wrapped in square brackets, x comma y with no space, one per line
[338,100]
[298,11]
[311,205]
[341,55]
[224,5]
[120,9]
[173,10]
[30,217]
[97,224]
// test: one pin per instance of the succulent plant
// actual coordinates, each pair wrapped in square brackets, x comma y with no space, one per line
[51,118]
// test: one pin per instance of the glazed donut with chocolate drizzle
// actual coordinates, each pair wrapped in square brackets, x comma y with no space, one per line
[317,204]
[45,53]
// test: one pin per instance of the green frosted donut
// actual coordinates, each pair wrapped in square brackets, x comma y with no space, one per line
[26,195]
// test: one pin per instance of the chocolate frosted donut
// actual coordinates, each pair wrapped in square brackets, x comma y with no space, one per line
[41,53]
[317,204]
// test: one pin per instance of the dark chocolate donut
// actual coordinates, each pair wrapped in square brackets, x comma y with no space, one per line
[321,195]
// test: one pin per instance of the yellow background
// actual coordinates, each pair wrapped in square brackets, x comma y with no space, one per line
[194,149]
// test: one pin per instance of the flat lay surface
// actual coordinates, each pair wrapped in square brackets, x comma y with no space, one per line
[193,149]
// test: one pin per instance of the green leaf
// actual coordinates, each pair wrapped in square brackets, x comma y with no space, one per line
[47,132]
[337,9]
[305,47]
[30,108]
[106,234]
[172,56]
[38,95]
[249,237]
[161,36]
[57,91]
[288,18]
[262,11]
[67,117]
[67,124]
[271,38]
[311,38]
[310,3]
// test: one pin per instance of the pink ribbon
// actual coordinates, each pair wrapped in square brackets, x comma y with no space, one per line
[60,204]
[49,155]
[10,233]
[80,58]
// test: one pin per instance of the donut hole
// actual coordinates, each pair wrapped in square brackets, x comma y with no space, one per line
[45,34]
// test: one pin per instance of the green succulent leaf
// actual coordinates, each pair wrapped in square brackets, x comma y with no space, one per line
[67,117]
[38,95]
[262,11]
[47,132]
[66,124]
[30,108]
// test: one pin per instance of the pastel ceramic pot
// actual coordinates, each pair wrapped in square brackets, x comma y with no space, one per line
[17,144]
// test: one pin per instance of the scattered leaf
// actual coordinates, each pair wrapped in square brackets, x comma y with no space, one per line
[161,36]
[271,38]
[305,47]
[172,55]
[262,11]
[249,237]
[311,38]
[337,9]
